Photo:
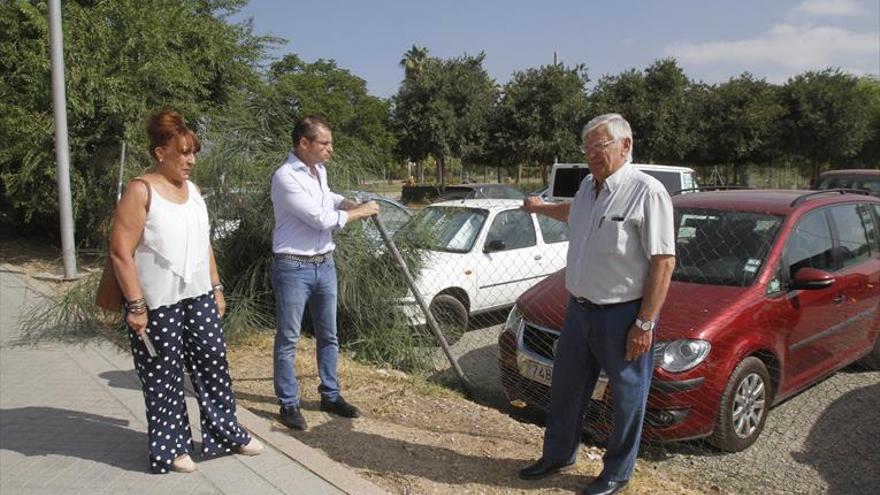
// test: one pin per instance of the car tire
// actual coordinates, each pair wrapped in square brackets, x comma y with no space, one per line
[451,316]
[744,406]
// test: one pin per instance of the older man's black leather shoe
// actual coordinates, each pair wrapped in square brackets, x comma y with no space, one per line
[292,418]
[602,487]
[543,468]
[340,408]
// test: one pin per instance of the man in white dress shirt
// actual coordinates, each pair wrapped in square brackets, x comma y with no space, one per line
[304,273]
[621,256]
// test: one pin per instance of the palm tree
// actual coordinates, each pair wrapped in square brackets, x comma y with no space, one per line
[414,60]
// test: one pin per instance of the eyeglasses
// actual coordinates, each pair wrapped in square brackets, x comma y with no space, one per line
[325,144]
[597,147]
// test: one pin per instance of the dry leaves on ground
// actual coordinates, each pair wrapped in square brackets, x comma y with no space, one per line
[416,437]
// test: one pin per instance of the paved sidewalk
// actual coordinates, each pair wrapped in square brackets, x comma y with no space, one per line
[72,421]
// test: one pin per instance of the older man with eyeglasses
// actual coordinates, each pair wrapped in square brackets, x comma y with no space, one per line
[620,259]
[306,214]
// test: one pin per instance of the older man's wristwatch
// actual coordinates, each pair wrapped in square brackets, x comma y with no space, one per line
[644,325]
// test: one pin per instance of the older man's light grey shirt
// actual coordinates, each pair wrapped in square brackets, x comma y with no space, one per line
[613,234]
[306,210]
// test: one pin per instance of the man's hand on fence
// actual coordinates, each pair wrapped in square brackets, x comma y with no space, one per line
[363,210]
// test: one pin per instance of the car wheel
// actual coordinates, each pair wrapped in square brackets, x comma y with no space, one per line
[451,316]
[744,406]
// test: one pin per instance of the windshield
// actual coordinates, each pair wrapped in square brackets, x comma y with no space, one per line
[443,228]
[722,247]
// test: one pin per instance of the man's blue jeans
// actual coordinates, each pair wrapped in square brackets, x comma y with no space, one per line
[296,284]
[592,341]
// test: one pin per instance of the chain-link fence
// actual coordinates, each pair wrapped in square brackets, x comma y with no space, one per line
[735,337]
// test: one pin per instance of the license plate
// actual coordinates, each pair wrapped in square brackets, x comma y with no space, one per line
[544,374]
[537,372]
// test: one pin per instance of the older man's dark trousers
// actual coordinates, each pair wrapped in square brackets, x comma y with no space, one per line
[593,340]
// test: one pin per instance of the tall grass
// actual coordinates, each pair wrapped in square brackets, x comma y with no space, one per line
[71,316]
[241,151]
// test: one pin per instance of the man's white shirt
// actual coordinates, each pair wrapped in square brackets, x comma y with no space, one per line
[306,210]
[613,234]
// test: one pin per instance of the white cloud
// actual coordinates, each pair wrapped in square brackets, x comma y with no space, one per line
[829,7]
[785,45]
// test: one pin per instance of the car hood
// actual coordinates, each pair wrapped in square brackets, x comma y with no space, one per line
[689,308]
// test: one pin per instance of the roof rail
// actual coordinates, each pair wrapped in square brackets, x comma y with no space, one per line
[717,187]
[803,197]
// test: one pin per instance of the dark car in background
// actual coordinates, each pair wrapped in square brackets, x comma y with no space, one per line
[772,292]
[430,193]
[481,191]
[868,180]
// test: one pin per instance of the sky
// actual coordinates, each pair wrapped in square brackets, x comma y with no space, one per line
[712,40]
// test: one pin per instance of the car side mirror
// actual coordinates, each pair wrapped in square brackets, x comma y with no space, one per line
[495,245]
[812,279]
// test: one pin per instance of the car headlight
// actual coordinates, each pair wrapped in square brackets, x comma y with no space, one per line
[681,355]
[514,320]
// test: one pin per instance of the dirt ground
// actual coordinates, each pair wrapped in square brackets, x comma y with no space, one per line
[417,437]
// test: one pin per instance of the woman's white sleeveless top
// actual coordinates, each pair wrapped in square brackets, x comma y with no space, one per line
[172,257]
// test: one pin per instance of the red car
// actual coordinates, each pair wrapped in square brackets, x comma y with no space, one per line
[772,291]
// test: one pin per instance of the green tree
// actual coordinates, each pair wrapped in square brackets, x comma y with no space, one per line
[869,88]
[660,107]
[626,94]
[444,112]
[740,122]
[125,59]
[361,122]
[539,117]
[827,117]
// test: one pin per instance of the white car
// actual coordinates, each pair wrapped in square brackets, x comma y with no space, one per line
[566,177]
[481,255]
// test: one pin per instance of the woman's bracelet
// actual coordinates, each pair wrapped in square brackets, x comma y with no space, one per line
[218,287]
[137,307]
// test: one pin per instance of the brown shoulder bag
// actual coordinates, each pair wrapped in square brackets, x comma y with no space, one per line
[109,295]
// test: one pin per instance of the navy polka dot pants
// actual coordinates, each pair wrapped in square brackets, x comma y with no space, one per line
[186,335]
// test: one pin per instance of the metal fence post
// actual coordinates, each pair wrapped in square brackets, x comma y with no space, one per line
[429,318]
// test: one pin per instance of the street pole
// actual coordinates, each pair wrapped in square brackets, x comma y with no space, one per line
[62,151]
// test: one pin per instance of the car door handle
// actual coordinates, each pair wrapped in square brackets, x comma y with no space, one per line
[839,299]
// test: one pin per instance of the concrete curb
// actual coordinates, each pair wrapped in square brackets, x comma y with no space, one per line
[312,459]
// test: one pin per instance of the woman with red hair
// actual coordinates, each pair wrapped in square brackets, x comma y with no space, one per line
[163,260]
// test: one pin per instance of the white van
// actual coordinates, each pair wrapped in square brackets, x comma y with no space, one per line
[565,178]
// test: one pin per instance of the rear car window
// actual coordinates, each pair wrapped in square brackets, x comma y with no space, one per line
[872,226]
[670,180]
[853,246]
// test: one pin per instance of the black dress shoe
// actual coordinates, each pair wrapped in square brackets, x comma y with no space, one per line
[543,468]
[292,418]
[602,487]
[340,407]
